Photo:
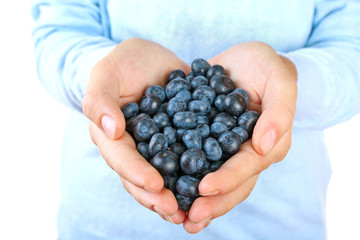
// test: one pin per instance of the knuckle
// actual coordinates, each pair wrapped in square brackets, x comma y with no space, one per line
[201,208]
[92,133]
[283,117]
[265,164]
[88,103]
[256,163]
[288,112]
[108,154]
[262,164]
[125,184]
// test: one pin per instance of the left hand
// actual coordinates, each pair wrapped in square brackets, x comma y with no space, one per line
[271,82]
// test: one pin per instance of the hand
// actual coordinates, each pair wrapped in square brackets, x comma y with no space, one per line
[122,77]
[271,83]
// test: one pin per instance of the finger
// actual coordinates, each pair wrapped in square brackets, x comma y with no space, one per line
[121,155]
[195,228]
[278,109]
[101,102]
[241,167]
[205,209]
[164,202]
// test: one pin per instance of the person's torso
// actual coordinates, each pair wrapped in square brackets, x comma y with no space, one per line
[195,29]
[288,199]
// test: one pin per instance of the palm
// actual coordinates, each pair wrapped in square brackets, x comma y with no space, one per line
[133,70]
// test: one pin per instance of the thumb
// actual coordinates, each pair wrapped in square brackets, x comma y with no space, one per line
[101,104]
[278,108]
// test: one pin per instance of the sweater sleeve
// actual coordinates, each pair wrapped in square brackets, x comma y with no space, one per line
[70,37]
[329,66]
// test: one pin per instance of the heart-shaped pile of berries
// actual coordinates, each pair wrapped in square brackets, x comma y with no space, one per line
[191,126]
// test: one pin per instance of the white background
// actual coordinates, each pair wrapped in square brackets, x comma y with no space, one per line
[32,126]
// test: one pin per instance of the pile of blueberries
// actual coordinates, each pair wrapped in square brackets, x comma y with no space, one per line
[191,126]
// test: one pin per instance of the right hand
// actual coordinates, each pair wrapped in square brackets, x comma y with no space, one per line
[119,78]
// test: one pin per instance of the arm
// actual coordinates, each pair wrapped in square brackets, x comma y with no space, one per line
[70,38]
[329,67]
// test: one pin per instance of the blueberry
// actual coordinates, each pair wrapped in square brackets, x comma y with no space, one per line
[150,104]
[188,186]
[221,84]
[204,93]
[162,120]
[178,73]
[226,119]
[143,148]
[219,102]
[212,114]
[200,66]
[217,128]
[176,105]
[176,85]
[185,120]
[190,127]
[189,79]
[202,119]
[193,161]
[179,133]
[158,143]
[170,134]
[184,202]
[212,168]
[229,142]
[247,120]
[225,157]
[185,95]
[235,104]
[177,148]
[131,123]
[241,132]
[144,129]
[198,81]
[215,70]
[163,107]
[158,91]
[170,181]
[212,149]
[192,139]
[203,130]
[215,165]
[166,162]
[130,110]
[244,93]
[199,107]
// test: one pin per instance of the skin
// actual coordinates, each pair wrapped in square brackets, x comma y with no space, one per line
[270,81]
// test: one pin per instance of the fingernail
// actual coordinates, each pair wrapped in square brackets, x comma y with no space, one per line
[168,218]
[268,141]
[159,211]
[108,124]
[208,223]
[204,221]
[150,190]
[210,193]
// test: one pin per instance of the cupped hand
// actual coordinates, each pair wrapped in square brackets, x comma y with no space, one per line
[270,80]
[119,78]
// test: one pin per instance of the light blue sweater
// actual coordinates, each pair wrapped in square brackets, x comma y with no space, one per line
[322,38]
